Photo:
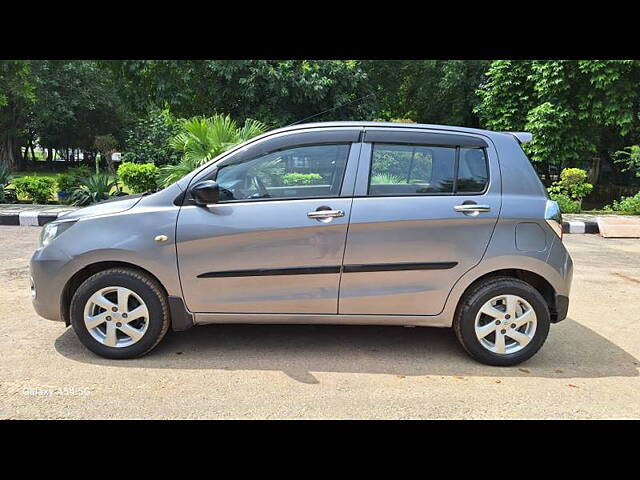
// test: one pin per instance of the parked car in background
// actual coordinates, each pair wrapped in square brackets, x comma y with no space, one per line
[324,223]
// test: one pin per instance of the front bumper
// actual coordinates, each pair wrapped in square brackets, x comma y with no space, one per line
[48,278]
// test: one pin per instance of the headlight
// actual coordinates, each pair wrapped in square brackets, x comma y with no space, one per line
[52,230]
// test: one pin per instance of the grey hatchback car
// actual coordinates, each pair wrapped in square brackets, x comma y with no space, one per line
[321,223]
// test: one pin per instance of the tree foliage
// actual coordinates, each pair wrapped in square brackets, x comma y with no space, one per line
[629,158]
[427,91]
[16,99]
[147,141]
[579,112]
[278,92]
[75,102]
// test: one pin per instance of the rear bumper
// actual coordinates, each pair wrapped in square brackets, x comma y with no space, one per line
[559,313]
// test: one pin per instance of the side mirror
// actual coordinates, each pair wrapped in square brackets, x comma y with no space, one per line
[206,192]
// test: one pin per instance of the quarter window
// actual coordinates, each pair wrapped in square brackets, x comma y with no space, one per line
[299,172]
[472,171]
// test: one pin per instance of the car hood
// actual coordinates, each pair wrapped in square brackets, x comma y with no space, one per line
[115,205]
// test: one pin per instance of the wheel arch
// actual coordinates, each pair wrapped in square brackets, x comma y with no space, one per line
[534,279]
[87,271]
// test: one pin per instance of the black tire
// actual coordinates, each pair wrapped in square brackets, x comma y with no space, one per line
[476,297]
[146,287]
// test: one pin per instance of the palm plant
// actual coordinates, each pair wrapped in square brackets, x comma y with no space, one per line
[5,179]
[169,174]
[204,138]
[95,188]
[386,179]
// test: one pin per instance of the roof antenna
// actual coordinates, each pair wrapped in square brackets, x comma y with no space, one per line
[332,109]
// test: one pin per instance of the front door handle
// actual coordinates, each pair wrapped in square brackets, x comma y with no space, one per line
[472,209]
[326,214]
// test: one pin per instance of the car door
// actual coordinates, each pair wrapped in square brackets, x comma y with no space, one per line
[425,206]
[274,242]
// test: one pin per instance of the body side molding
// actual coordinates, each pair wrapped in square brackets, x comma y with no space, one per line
[372,267]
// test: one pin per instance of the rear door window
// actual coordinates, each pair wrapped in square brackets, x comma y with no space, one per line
[404,169]
[411,170]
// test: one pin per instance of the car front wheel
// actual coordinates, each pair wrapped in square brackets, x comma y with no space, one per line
[503,321]
[120,313]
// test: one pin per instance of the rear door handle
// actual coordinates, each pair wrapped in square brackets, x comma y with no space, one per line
[326,214]
[472,209]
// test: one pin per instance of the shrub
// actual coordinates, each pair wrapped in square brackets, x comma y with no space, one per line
[148,140]
[36,189]
[301,178]
[139,177]
[572,187]
[71,179]
[566,204]
[626,205]
[95,188]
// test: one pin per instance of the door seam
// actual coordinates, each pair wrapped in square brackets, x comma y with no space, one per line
[346,235]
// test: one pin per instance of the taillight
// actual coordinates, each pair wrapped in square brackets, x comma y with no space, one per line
[553,217]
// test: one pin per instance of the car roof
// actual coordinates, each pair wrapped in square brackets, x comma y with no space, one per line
[360,124]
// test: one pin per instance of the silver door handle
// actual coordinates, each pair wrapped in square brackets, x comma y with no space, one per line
[326,214]
[472,208]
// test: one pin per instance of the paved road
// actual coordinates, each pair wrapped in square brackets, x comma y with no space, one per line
[589,367]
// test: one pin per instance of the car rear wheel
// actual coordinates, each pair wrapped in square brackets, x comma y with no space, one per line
[503,321]
[120,313]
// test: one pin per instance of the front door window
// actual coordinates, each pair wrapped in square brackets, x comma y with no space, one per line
[299,172]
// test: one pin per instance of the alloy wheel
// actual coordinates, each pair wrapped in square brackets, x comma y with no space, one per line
[116,316]
[505,324]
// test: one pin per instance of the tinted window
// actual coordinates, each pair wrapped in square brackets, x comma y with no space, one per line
[411,170]
[472,171]
[308,171]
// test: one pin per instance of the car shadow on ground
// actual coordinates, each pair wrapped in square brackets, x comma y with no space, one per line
[572,350]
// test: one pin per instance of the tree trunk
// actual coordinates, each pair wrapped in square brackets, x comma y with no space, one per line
[594,170]
[7,152]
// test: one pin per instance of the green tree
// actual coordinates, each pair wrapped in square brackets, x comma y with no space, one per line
[16,98]
[76,100]
[147,141]
[579,112]
[428,91]
[277,91]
